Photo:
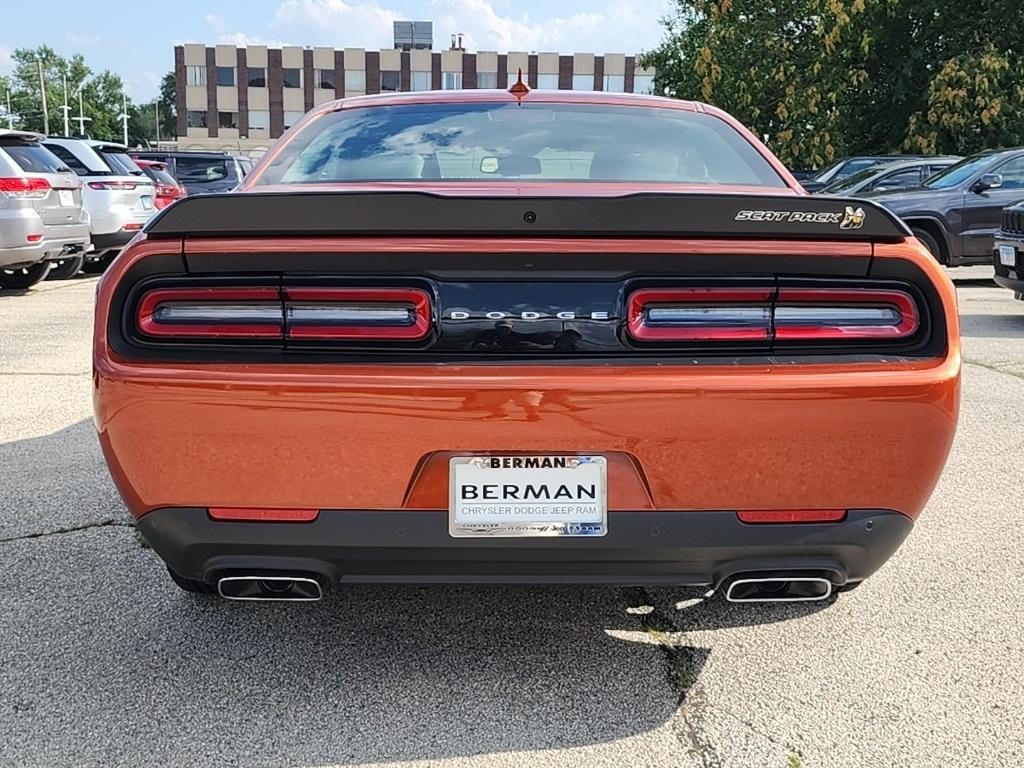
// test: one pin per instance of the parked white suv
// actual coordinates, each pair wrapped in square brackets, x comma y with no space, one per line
[41,216]
[117,195]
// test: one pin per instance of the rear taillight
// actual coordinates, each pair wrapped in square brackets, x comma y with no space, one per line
[814,314]
[18,186]
[292,313]
[700,314]
[394,314]
[125,185]
[211,313]
[785,314]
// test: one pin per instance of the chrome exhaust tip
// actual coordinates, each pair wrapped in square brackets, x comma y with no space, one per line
[779,589]
[291,588]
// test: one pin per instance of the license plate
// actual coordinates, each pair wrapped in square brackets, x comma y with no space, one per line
[66,198]
[528,496]
[1008,255]
[147,202]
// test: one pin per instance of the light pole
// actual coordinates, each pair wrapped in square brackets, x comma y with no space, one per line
[42,92]
[123,117]
[10,115]
[82,119]
[66,109]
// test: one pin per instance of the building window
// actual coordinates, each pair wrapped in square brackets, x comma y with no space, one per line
[643,84]
[196,118]
[615,83]
[547,82]
[292,78]
[583,82]
[421,81]
[257,77]
[355,80]
[227,119]
[323,78]
[195,75]
[390,81]
[486,79]
[226,76]
[259,120]
[291,118]
[451,81]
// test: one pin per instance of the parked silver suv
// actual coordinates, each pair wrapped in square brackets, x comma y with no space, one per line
[118,196]
[41,215]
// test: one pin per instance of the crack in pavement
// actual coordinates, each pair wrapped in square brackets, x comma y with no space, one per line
[44,373]
[60,531]
[994,369]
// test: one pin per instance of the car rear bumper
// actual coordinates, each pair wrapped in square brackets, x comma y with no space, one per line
[641,547]
[112,240]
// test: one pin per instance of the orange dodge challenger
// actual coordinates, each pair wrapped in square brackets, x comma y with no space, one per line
[530,337]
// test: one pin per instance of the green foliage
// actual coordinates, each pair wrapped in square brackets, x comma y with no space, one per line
[102,98]
[821,78]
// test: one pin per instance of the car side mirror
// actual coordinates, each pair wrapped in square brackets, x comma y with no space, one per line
[988,181]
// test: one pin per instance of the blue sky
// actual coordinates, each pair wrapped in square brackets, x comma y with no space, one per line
[136,40]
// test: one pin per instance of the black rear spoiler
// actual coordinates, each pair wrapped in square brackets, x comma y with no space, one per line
[431,214]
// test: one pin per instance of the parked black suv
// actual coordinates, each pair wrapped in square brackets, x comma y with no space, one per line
[956,212]
[199,172]
[1008,255]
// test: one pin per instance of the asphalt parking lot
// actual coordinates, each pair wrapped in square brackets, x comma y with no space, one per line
[104,662]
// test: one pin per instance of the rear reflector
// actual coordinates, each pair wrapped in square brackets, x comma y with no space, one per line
[131,227]
[731,314]
[34,238]
[700,314]
[257,515]
[211,313]
[393,314]
[791,515]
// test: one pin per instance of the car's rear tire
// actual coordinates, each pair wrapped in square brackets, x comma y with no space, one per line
[928,241]
[67,267]
[98,266]
[23,278]
[191,585]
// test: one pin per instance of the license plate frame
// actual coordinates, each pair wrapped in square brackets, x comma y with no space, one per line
[66,198]
[147,202]
[549,513]
[1008,255]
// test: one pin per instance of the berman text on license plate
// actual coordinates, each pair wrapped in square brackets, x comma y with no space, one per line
[528,496]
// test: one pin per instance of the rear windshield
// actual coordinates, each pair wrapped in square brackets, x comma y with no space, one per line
[202,170]
[120,163]
[543,142]
[33,158]
[160,175]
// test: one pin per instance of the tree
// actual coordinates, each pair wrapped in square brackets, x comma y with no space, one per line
[820,78]
[102,94]
[168,108]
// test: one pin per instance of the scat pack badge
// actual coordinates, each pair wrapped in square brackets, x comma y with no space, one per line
[851,218]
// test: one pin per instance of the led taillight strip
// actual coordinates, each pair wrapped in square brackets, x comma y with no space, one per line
[393,314]
[699,314]
[354,314]
[212,313]
[731,314]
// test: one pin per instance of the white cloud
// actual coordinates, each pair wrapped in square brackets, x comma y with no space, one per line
[337,23]
[613,26]
[142,85]
[80,38]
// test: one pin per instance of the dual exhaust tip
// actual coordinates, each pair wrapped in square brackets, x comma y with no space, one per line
[263,587]
[778,589]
